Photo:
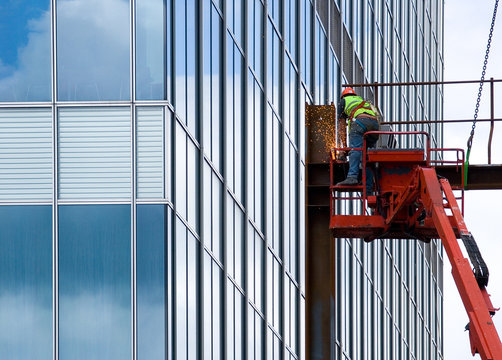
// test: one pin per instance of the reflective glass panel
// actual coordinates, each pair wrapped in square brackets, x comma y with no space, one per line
[94,282]
[151,238]
[150,49]
[93,45]
[184,63]
[25,50]
[26,282]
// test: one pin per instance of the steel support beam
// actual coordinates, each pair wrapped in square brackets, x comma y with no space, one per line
[320,247]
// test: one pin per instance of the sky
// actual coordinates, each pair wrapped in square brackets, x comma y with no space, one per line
[466,29]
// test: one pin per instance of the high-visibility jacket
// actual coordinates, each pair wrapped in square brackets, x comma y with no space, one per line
[351,102]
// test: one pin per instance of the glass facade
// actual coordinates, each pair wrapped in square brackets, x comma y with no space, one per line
[152,176]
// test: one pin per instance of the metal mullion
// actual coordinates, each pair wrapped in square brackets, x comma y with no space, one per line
[132,52]
[198,118]
[55,213]
[28,202]
[154,201]
[92,103]
[282,195]
[299,151]
[244,171]
[94,201]
[266,218]
[42,104]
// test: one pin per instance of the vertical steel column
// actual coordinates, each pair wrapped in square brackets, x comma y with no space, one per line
[320,252]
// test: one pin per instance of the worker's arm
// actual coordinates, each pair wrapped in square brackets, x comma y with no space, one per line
[341,107]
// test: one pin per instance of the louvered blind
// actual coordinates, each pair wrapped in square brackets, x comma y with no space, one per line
[94,153]
[25,154]
[150,153]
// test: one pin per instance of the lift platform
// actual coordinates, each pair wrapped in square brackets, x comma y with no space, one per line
[410,201]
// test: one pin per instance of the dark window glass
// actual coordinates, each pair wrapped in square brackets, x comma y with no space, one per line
[26,282]
[151,241]
[95,282]
[25,50]
[150,49]
[93,50]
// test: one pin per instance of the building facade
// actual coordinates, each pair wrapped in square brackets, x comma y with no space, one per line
[152,176]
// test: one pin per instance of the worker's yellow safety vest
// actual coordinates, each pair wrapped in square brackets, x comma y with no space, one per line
[351,102]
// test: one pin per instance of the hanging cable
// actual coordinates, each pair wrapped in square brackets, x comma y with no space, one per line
[480,91]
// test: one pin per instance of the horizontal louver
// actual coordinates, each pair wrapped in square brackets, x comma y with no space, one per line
[94,153]
[149,152]
[25,154]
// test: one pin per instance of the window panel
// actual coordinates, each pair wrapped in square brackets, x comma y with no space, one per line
[181,281]
[184,63]
[193,183]
[151,239]
[150,152]
[94,279]
[234,120]
[255,152]
[255,36]
[207,289]
[291,26]
[26,282]
[168,155]
[274,7]
[25,154]
[239,246]
[212,84]
[276,185]
[306,41]
[251,261]
[293,223]
[217,312]
[181,170]
[192,296]
[25,56]
[259,272]
[94,153]
[230,322]
[251,338]
[273,62]
[239,328]
[150,70]
[320,64]
[93,50]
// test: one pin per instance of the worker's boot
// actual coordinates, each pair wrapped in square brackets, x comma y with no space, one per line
[349,181]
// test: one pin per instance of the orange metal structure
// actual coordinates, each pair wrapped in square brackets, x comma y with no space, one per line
[411,202]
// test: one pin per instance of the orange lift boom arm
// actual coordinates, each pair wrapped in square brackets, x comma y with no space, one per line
[411,202]
[483,335]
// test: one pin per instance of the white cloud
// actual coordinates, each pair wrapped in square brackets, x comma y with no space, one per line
[25,327]
[31,79]
[94,326]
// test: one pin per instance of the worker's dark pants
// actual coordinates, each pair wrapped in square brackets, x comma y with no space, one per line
[356,141]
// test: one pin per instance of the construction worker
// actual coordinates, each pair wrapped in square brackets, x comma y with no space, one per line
[361,119]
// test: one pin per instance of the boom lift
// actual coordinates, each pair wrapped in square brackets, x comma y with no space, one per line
[411,202]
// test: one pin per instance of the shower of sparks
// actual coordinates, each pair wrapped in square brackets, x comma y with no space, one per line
[326,128]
